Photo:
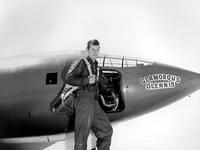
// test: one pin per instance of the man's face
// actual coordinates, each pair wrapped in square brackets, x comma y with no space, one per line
[93,51]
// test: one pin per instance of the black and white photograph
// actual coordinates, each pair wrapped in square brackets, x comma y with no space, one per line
[99,75]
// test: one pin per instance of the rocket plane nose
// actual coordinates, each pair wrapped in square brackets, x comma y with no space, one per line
[192,81]
[196,81]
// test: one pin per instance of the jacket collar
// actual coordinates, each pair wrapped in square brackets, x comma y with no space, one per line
[91,61]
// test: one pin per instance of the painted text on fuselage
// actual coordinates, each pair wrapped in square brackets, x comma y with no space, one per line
[160,81]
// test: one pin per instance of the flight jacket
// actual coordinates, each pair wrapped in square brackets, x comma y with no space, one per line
[78,76]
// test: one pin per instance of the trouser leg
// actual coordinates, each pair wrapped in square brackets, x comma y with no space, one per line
[102,129]
[84,110]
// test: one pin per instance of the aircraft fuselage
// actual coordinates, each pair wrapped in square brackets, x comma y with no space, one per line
[25,93]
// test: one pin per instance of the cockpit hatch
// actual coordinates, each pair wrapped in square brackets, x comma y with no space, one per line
[111,98]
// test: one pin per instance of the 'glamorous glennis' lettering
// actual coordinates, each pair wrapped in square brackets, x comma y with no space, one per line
[160,81]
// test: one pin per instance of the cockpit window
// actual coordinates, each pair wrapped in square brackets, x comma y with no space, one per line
[122,62]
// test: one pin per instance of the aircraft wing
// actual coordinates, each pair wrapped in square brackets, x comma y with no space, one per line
[31,143]
[63,140]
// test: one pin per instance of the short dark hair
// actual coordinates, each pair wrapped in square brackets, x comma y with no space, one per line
[92,42]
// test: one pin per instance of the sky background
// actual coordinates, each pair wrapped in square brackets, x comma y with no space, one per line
[158,30]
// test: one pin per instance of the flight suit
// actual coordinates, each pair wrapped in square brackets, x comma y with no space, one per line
[88,113]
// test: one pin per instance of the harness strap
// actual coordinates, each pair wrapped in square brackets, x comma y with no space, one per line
[98,70]
[88,66]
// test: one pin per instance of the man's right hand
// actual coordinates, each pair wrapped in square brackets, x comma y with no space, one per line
[92,79]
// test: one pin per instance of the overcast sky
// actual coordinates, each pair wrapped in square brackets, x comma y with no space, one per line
[158,30]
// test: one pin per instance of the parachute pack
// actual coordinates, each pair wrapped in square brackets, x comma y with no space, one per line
[63,103]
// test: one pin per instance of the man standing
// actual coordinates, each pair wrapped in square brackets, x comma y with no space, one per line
[88,113]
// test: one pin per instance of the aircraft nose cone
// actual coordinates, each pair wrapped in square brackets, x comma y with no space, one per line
[196,81]
[192,81]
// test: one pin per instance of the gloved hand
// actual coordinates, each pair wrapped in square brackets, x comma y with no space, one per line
[92,79]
